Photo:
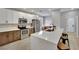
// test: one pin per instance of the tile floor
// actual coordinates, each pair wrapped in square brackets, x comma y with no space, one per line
[73,41]
[25,44]
[17,45]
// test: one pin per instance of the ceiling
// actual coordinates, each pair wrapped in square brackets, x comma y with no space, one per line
[43,11]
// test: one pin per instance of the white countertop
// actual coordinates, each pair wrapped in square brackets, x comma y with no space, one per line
[49,36]
[8,29]
[29,26]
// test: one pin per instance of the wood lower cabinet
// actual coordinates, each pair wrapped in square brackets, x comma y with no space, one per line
[3,38]
[10,34]
[30,31]
[7,37]
[17,35]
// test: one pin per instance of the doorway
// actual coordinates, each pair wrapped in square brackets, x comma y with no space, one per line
[72,25]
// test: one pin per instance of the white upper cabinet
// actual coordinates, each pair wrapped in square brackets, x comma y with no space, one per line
[6,16]
[2,16]
[15,17]
[11,17]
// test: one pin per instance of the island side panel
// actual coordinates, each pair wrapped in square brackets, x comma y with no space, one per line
[40,44]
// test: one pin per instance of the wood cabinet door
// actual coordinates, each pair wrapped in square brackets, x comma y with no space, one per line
[10,38]
[17,35]
[3,38]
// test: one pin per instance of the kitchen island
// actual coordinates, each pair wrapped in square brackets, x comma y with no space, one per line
[45,40]
[9,34]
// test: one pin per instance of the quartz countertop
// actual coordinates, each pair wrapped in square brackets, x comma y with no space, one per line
[8,29]
[29,27]
[49,36]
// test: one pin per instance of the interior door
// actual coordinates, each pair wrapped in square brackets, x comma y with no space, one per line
[70,26]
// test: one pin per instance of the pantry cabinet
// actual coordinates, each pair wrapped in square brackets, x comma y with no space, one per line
[10,36]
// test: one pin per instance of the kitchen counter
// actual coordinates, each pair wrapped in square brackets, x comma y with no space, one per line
[45,40]
[8,29]
[49,36]
[9,34]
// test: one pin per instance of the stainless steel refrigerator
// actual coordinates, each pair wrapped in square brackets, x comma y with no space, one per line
[36,25]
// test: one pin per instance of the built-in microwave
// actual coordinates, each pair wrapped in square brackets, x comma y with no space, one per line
[22,22]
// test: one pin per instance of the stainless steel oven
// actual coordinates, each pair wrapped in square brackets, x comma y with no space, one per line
[24,33]
[22,22]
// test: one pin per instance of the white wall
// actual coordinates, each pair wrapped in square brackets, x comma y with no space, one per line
[54,18]
[66,15]
[48,20]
